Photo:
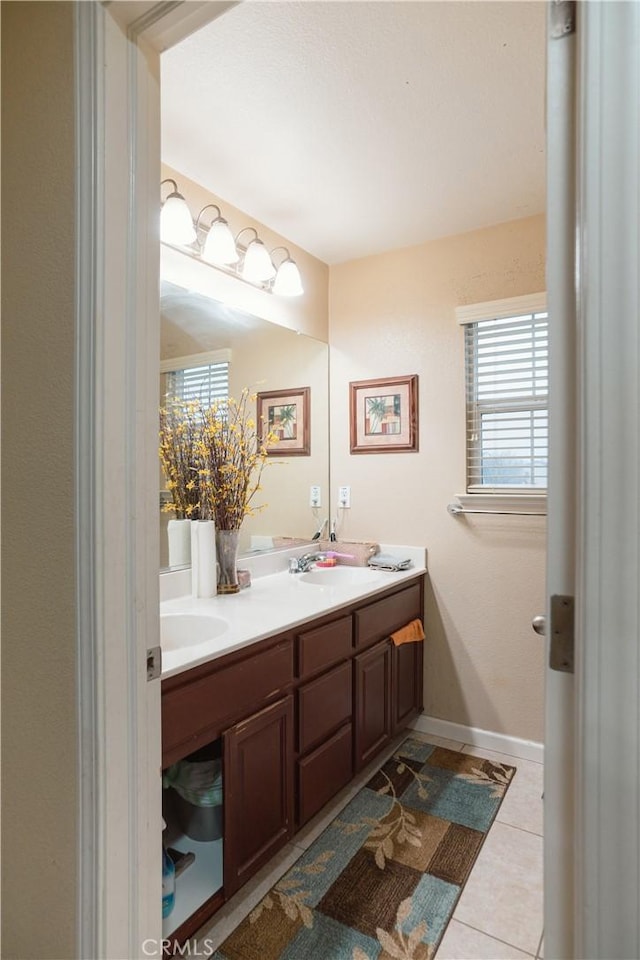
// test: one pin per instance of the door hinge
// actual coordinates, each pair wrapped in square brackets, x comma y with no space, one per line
[562,18]
[154,663]
[561,641]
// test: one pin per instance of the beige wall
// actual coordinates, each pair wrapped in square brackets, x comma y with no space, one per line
[307,314]
[39,776]
[394,314]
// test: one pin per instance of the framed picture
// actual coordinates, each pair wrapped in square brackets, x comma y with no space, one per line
[286,413]
[384,415]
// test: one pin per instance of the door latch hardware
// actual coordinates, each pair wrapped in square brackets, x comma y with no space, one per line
[154,663]
[562,18]
[539,624]
[561,645]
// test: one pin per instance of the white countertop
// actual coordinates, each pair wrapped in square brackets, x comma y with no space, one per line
[272,604]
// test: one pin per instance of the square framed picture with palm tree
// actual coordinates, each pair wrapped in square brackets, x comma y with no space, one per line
[384,415]
[285,413]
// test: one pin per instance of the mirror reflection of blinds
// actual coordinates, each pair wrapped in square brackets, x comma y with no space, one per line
[205,383]
[507,368]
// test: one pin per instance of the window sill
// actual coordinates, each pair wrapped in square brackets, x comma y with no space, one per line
[518,504]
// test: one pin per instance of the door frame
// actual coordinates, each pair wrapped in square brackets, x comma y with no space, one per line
[563,531]
[117,310]
[117,129]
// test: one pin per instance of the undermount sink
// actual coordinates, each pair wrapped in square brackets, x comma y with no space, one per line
[340,576]
[178,630]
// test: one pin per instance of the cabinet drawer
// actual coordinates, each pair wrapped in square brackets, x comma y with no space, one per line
[323,704]
[322,773]
[325,645]
[378,620]
[195,711]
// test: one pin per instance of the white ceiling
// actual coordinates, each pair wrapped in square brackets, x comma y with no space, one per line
[357,127]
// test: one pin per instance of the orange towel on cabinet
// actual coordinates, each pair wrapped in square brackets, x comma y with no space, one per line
[411,633]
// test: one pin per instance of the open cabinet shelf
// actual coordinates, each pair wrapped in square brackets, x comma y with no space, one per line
[198,883]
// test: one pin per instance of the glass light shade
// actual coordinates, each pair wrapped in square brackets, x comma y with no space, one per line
[220,247]
[288,282]
[176,225]
[257,266]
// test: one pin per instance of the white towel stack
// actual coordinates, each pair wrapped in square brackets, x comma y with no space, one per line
[387,561]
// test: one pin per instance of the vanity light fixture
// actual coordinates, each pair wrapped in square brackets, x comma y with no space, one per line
[251,262]
[287,281]
[256,264]
[176,225]
[219,246]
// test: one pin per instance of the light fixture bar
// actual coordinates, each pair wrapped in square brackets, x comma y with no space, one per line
[215,244]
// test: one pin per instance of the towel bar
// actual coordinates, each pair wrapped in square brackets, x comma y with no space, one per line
[455,509]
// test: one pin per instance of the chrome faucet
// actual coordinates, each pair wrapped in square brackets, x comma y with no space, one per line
[303,563]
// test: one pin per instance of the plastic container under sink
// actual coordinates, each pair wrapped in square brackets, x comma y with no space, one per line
[199,823]
[195,794]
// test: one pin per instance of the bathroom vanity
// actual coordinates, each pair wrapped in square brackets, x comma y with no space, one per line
[296,711]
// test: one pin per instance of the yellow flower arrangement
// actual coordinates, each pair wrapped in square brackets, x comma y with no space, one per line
[212,458]
[231,453]
[180,430]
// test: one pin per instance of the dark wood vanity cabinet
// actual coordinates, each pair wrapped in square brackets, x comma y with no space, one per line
[373,697]
[325,743]
[258,791]
[406,684]
[297,715]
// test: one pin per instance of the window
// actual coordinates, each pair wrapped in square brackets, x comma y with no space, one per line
[205,383]
[506,369]
[203,377]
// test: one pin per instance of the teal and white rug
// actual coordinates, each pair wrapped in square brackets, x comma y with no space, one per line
[382,881]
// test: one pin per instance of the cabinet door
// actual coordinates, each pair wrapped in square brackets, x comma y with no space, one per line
[406,672]
[373,702]
[258,791]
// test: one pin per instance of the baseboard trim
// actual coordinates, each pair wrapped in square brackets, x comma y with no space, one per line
[485,739]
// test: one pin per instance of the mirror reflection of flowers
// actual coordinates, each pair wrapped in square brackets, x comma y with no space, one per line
[231,455]
[180,429]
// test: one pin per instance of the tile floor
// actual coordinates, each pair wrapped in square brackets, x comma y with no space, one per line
[498,916]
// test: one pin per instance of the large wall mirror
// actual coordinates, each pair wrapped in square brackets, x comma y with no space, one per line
[263,357]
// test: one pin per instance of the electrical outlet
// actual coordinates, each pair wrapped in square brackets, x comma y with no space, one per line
[344,497]
[315,495]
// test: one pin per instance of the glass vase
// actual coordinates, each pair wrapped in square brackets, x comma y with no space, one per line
[227,559]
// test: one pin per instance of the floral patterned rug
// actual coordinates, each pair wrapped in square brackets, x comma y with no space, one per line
[381,882]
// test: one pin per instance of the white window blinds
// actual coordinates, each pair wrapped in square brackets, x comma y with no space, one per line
[205,382]
[506,367]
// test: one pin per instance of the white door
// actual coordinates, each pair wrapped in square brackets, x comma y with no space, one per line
[592,737]
[607,842]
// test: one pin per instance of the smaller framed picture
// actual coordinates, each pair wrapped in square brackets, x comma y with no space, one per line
[286,413]
[384,415]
